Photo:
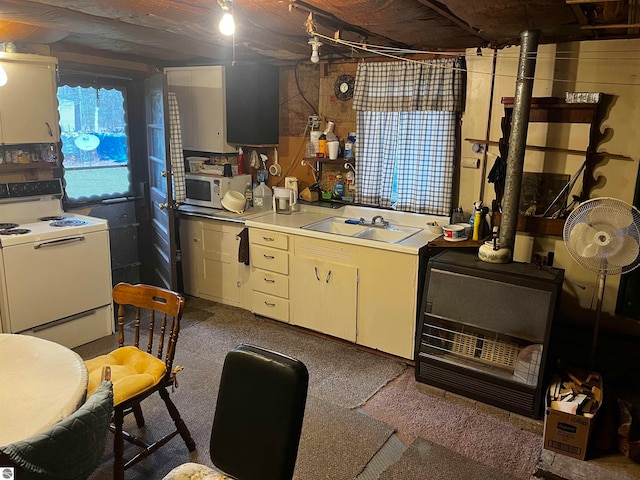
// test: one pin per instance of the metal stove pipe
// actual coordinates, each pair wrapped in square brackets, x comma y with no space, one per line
[518,137]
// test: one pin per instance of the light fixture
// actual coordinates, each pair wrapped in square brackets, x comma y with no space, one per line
[227,24]
[3,77]
[315,45]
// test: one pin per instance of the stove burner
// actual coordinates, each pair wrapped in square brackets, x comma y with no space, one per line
[15,231]
[6,226]
[51,218]
[68,222]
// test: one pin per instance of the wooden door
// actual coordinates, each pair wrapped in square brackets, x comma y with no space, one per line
[162,206]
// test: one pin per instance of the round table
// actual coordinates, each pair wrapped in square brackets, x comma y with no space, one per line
[42,383]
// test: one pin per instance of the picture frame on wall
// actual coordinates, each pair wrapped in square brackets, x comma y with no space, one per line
[539,190]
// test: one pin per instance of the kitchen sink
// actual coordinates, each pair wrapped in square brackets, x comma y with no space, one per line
[391,234]
[337,225]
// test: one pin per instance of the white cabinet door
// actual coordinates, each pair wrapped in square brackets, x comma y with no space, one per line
[210,264]
[200,92]
[28,102]
[387,301]
[324,297]
[191,254]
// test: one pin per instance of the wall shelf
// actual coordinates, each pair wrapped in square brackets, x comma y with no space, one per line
[18,167]
[536,225]
[554,110]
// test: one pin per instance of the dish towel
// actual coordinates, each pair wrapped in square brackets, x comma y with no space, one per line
[175,145]
[243,248]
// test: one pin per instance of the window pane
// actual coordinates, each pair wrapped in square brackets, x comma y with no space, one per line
[94,142]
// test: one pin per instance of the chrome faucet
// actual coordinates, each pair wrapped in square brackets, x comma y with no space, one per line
[383,222]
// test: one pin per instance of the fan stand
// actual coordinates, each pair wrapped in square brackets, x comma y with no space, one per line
[602,278]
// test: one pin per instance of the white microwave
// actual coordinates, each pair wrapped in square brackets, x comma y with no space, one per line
[206,190]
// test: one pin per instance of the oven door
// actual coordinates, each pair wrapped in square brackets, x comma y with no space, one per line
[52,280]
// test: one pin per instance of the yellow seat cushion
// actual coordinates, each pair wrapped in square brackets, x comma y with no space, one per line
[132,372]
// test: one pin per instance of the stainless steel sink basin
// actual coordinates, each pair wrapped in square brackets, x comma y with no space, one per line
[337,225]
[391,234]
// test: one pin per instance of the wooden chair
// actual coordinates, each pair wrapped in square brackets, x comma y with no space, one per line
[72,448]
[138,373]
[258,418]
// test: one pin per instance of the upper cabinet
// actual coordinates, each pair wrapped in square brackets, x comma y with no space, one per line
[200,92]
[253,105]
[28,101]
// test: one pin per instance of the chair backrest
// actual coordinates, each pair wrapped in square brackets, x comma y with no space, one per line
[155,309]
[259,413]
[70,449]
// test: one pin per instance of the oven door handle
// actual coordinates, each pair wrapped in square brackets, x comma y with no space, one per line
[61,241]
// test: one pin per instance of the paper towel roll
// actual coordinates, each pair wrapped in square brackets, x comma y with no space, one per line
[523,248]
[470,163]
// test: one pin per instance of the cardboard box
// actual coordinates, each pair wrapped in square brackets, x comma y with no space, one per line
[567,433]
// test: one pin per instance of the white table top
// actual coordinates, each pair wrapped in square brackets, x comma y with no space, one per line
[42,383]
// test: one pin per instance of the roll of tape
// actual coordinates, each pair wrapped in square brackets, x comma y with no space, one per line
[470,163]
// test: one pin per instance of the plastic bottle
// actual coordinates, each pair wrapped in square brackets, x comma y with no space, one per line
[338,187]
[348,145]
[248,194]
[322,146]
[262,196]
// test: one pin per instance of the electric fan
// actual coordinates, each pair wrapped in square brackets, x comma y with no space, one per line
[603,235]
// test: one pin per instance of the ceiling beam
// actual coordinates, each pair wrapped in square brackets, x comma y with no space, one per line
[444,11]
[334,23]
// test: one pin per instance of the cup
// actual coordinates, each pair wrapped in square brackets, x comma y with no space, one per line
[227,171]
[333,147]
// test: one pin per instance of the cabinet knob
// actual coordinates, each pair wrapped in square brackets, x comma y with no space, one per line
[162,206]
[196,240]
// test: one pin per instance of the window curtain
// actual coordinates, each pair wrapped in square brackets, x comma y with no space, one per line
[175,144]
[407,118]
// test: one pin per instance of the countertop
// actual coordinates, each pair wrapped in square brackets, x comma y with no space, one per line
[309,214]
[266,219]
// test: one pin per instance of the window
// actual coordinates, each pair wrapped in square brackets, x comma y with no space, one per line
[95,142]
[407,122]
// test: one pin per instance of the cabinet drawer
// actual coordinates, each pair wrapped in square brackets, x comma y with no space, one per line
[270,259]
[268,238]
[271,283]
[270,306]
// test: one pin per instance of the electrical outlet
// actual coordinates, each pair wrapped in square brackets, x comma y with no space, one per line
[313,122]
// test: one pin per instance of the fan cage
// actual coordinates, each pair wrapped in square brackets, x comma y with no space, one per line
[618,221]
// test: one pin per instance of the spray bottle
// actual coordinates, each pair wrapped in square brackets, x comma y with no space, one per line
[476,219]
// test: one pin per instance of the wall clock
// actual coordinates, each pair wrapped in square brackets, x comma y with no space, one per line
[343,88]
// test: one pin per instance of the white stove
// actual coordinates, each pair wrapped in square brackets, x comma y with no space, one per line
[55,266]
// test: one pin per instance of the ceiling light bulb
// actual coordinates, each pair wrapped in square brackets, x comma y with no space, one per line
[315,45]
[227,25]
[3,77]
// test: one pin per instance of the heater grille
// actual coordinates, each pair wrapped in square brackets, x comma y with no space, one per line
[484,329]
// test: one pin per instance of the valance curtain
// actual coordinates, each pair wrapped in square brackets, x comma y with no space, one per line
[410,86]
[406,125]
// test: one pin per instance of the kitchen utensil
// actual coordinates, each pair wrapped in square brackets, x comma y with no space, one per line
[234,201]
[283,200]
[275,169]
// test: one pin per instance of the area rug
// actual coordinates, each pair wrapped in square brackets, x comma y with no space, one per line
[457,427]
[427,460]
[337,440]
